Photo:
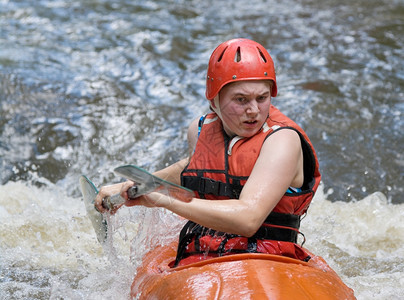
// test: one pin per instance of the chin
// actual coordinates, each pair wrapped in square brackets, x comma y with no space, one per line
[248,134]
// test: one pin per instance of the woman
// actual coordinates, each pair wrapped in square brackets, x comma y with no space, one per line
[253,170]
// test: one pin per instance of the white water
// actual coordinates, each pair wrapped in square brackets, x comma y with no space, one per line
[49,249]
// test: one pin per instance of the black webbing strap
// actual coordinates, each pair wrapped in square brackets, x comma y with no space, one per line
[211,187]
[281,219]
[287,231]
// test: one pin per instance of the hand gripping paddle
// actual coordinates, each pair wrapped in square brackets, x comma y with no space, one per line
[144,183]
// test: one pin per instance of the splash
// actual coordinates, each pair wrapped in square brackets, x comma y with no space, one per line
[362,241]
[49,249]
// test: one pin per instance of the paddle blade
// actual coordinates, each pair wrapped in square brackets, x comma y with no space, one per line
[89,192]
[147,183]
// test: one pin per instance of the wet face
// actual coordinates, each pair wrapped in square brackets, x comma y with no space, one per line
[244,107]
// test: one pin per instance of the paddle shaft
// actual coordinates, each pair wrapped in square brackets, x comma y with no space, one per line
[113,201]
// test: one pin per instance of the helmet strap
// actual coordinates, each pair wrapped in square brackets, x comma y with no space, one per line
[216,106]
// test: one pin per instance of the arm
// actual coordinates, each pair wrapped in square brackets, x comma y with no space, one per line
[279,165]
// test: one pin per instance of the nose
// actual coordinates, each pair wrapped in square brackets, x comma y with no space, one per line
[252,107]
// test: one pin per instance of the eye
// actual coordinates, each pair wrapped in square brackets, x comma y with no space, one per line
[262,98]
[241,99]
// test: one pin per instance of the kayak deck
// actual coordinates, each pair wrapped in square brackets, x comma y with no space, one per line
[237,276]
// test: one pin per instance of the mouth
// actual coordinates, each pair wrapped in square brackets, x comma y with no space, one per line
[251,123]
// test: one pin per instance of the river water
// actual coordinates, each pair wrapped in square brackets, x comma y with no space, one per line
[86,86]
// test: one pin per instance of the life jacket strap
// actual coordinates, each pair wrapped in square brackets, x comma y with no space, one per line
[212,187]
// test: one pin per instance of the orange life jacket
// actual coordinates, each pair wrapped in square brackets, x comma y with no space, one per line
[220,167]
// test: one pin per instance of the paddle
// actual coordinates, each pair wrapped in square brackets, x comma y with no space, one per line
[144,183]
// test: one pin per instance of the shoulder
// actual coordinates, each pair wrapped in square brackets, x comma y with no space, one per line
[283,140]
[283,152]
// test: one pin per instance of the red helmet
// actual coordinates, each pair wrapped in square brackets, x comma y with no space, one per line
[237,60]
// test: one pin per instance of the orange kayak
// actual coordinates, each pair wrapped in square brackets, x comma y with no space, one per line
[237,276]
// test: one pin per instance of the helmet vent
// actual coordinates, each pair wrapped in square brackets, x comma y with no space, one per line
[262,55]
[237,56]
[221,55]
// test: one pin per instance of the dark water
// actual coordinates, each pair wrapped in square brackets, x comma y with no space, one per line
[68,69]
[88,85]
